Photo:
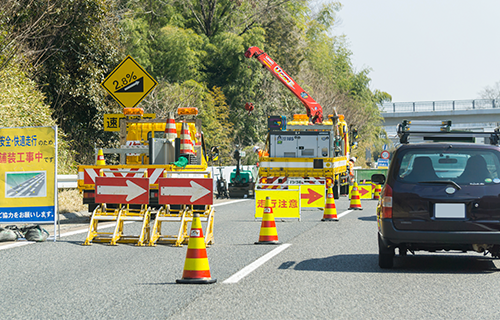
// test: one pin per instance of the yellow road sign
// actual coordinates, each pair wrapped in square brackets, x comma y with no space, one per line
[285,203]
[129,83]
[365,191]
[112,120]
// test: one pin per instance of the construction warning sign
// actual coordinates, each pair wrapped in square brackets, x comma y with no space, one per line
[112,120]
[365,191]
[129,83]
[28,164]
[284,202]
[312,196]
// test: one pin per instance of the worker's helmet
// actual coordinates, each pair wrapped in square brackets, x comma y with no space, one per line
[353,159]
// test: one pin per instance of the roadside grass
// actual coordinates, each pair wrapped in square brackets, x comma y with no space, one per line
[70,200]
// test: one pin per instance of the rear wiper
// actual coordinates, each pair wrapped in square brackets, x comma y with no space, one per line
[453,183]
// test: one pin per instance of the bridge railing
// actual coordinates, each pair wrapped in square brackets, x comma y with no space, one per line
[450,105]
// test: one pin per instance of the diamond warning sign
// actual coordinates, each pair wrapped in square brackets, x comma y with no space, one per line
[129,83]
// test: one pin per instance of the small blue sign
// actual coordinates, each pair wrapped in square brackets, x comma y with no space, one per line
[384,163]
[27,214]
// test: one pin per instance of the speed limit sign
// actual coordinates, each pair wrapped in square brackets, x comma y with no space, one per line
[385,154]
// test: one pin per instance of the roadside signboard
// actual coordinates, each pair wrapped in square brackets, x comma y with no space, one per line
[284,202]
[112,120]
[28,171]
[129,83]
[125,190]
[197,191]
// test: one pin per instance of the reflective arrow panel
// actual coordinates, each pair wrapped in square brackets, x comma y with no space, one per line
[185,191]
[122,190]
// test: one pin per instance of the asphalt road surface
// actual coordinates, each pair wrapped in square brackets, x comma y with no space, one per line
[322,270]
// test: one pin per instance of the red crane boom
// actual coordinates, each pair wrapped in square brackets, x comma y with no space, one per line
[314,110]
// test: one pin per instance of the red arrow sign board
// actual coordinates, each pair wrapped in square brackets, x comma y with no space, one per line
[311,195]
[122,190]
[185,191]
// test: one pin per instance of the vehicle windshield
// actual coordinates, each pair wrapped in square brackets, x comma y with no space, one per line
[463,166]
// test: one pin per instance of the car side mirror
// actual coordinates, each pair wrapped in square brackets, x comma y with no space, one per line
[378,178]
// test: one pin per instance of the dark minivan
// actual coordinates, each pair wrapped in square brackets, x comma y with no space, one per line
[440,196]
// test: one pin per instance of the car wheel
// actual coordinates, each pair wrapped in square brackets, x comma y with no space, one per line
[385,255]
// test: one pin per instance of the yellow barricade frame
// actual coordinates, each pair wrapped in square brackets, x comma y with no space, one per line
[120,214]
[184,215]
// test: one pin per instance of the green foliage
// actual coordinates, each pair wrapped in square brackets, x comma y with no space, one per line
[70,78]
[195,50]
[176,55]
[22,105]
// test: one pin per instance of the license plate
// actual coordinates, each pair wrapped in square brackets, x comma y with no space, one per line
[449,210]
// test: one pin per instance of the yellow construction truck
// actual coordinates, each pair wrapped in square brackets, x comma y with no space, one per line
[306,149]
[145,145]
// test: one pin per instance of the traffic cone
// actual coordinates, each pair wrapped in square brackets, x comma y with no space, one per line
[170,129]
[376,194]
[268,233]
[186,142]
[196,268]
[355,202]
[330,213]
[100,158]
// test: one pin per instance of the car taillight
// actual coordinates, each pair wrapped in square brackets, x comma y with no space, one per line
[387,202]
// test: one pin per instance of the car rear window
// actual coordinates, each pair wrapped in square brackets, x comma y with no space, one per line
[463,166]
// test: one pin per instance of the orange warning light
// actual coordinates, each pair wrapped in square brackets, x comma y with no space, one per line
[133,111]
[187,111]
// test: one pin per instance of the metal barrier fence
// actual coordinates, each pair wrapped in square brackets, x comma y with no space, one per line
[450,105]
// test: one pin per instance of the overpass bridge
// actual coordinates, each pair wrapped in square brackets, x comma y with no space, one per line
[480,114]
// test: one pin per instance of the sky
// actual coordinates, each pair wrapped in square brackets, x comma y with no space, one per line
[424,50]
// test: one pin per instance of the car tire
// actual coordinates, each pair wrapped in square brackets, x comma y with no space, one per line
[385,255]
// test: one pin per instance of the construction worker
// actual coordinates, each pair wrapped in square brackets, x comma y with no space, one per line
[352,161]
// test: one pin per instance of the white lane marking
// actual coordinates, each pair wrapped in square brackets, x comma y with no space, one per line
[254,265]
[229,202]
[344,213]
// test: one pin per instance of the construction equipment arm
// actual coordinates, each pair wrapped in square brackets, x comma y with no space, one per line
[314,110]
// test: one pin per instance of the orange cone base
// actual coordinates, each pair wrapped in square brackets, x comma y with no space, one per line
[196,281]
[267,242]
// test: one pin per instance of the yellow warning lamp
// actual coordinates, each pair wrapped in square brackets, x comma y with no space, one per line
[133,111]
[300,117]
[187,111]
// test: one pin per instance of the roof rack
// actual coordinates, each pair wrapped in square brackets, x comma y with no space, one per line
[433,130]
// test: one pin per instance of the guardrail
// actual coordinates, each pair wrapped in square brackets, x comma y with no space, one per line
[451,105]
[67,181]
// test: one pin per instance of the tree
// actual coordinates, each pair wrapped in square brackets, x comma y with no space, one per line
[491,92]
[84,47]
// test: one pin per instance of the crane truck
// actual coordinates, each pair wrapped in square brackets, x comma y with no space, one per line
[306,149]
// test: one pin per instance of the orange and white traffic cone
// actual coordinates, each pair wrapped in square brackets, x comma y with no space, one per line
[100,158]
[196,268]
[376,194]
[170,129]
[186,142]
[355,201]
[330,213]
[268,233]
